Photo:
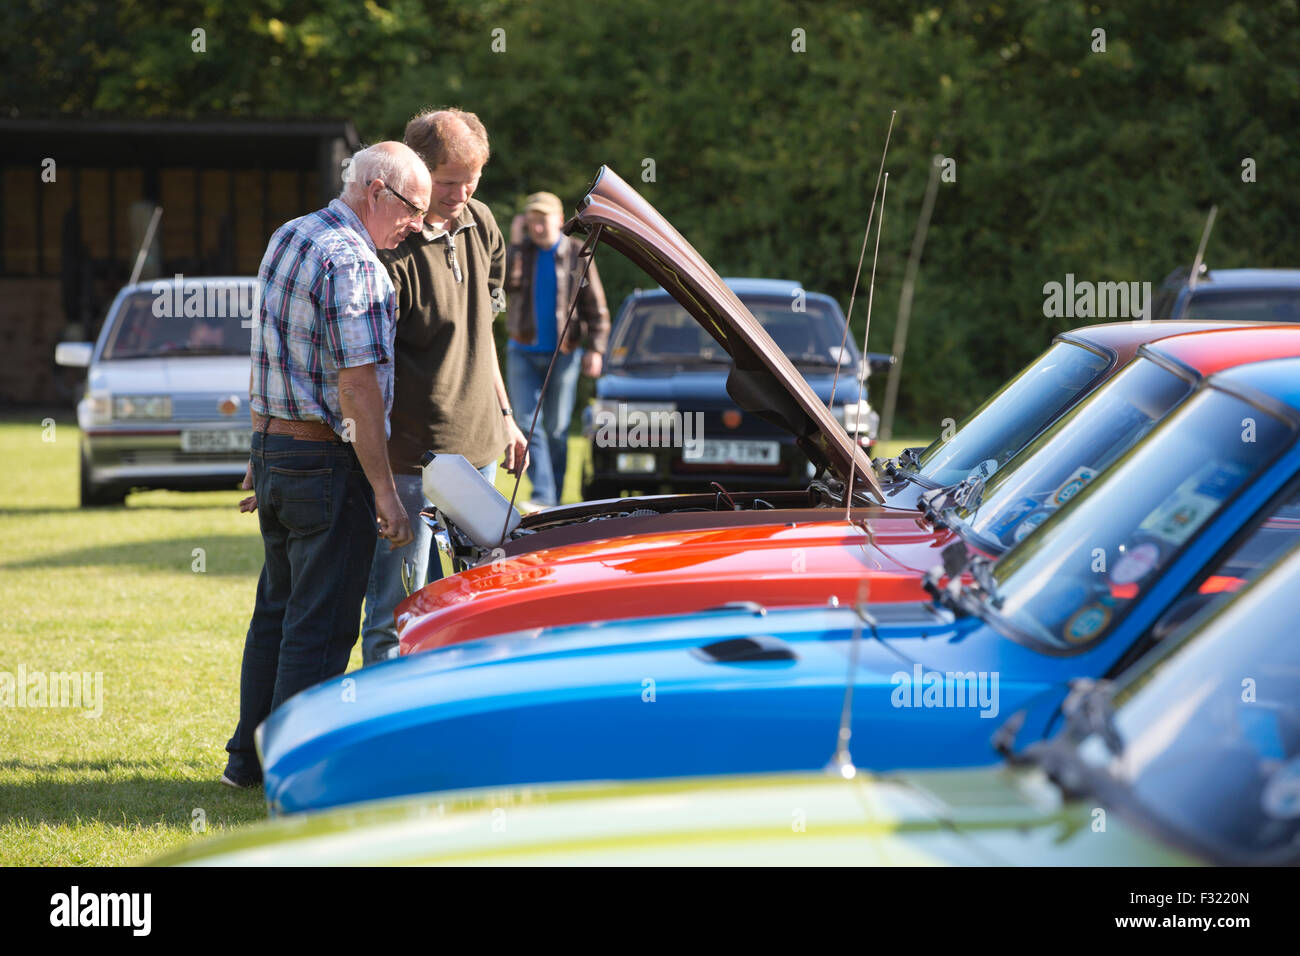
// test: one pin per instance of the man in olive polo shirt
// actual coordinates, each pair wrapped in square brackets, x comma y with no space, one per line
[448,395]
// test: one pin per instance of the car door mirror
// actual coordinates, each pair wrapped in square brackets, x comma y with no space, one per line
[878,362]
[74,354]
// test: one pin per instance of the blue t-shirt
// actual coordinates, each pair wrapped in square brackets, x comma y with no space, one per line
[544,300]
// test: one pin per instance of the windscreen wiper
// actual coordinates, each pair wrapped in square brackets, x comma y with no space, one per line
[981,569]
[812,358]
[1089,709]
[202,350]
[894,469]
[669,360]
[960,494]
[952,595]
[958,597]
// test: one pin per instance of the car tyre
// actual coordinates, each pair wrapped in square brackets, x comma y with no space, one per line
[98,496]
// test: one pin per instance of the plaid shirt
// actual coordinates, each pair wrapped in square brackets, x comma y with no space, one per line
[327,303]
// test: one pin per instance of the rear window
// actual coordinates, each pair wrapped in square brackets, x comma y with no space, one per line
[1264,305]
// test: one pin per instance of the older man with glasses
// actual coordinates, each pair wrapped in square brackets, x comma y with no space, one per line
[320,391]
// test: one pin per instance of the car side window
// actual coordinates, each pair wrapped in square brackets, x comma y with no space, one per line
[1254,551]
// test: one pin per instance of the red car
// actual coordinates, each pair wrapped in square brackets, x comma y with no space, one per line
[672,554]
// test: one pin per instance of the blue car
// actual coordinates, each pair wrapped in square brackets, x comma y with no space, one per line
[663,367]
[1184,518]
[1256,295]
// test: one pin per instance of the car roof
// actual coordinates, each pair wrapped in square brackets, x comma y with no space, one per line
[1277,378]
[1123,339]
[148,285]
[781,288]
[1248,278]
[1212,351]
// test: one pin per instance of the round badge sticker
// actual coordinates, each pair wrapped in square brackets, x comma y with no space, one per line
[1135,563]
[1086,623]
[1030,522]
[984,468]
[1281,796]
[1073,485]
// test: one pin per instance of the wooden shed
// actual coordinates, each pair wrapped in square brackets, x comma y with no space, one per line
[77,196]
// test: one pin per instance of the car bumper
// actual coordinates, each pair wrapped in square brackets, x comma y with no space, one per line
[670,473]
[153,456]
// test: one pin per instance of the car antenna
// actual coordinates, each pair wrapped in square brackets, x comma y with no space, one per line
[830,405]
[841,762]
[862,372]
[1200,252]
[587,254]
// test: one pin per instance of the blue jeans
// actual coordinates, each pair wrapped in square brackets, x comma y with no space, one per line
[316,511]
[384,590]
[548,446]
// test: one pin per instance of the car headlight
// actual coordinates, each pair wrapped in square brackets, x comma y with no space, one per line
[608,412]
[99,408]
[142,406]
[859,417]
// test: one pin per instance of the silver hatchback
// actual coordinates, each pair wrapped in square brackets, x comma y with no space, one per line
[166,402]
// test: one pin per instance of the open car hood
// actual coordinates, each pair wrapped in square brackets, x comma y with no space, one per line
[762,380]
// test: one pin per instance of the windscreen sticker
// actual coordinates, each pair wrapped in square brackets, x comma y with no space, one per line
[1064,603]
[1012,515]
[1030,523]
[1086,623]
[1073,485]
[1135,563]
[1281,796]
[1177,520]
[1259,725]
[1221,480]
[984,469]
[1192,502]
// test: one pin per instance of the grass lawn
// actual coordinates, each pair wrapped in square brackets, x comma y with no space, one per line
[118,593]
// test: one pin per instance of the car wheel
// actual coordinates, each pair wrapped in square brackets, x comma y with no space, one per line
[98,496]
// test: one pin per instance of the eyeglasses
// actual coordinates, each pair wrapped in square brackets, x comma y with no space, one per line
[416,211]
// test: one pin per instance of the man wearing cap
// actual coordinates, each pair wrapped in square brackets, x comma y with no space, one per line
[448,394]
[541,269]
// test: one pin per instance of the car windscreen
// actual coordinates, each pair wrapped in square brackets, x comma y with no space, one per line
[1259,305]
[207,319]
[1057,464]
[1208,738]
[1073,581]
[659,331]
[999,428]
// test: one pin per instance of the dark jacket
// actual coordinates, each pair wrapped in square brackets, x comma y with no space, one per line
[590,321]
[444,394]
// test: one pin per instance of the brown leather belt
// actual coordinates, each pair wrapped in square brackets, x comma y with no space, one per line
[304,431]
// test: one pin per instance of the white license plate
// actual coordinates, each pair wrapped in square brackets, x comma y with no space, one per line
[210,441]
[731,452]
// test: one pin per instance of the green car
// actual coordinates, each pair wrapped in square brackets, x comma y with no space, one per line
[1194,758]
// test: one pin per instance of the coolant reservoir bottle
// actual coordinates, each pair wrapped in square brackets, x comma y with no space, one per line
[468,499]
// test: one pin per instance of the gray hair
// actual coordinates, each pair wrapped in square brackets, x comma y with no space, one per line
[395,163]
